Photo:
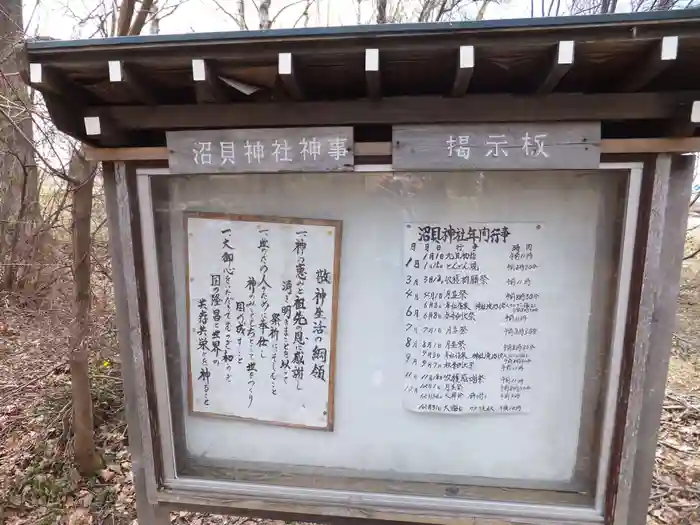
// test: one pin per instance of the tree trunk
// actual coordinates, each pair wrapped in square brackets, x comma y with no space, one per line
[86,456]
[18,173]
[381,11]
[264,14]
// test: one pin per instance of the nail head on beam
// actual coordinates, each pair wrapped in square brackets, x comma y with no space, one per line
[695,113]
[199,70]
[371,59]
[284,66]
[669,48]
[92,126]
[115,71]
[565,52]
[35,73]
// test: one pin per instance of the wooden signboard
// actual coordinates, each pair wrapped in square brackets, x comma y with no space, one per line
[262,300]
[261,150]
[497,146]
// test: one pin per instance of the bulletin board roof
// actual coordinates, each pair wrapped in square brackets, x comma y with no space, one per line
[614,55]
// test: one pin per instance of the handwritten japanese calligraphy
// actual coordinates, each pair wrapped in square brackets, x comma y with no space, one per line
[471,316]
[261,311]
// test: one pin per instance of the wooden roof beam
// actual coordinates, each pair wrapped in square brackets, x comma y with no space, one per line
[663,54]
[135,79]
[405,110]
[288,75]
[684,123]
[64,112]
[209,88]
[103,129]
[372,75]
[562,63]
[612,146]
[52,80]
[465,70]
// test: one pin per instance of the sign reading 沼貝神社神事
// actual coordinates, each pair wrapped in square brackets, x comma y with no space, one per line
[261,150]
[261,315]
[497,146]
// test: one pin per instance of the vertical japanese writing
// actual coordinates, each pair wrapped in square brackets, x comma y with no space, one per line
[299,320]
[228,271]
[264,337]
[463,307]
[203,347]
[216,316]
[261,344]
[286,314]
[319,353]
[251,366]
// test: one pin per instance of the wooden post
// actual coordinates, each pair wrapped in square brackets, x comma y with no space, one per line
[122,215]
[670,195]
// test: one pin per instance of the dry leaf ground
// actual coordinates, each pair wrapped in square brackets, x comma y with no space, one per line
[39,484]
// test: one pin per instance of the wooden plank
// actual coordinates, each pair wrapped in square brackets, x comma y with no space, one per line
[494,146]
[261,150]
[362,149]
[119,196]
[347,506]
[655,145]
[123,154]
[404,110]
[648,273]
[662,279]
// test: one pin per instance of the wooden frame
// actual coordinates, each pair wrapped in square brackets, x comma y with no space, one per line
[337,226]
[662,188]
[608,146]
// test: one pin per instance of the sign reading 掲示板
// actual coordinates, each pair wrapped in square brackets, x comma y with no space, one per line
[519,146]
[261,150]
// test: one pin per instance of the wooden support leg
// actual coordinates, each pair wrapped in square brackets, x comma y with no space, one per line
[121,215]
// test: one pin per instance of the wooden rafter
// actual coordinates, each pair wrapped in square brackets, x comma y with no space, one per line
[288,74]
[561,63]
[209,88]
[464,72]
[663,53]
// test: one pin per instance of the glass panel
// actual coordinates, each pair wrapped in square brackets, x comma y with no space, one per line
[548,246]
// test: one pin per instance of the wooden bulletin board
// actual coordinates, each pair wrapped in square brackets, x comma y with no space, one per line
[262,295]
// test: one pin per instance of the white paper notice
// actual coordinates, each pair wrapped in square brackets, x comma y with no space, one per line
[261,317]
[471,316]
